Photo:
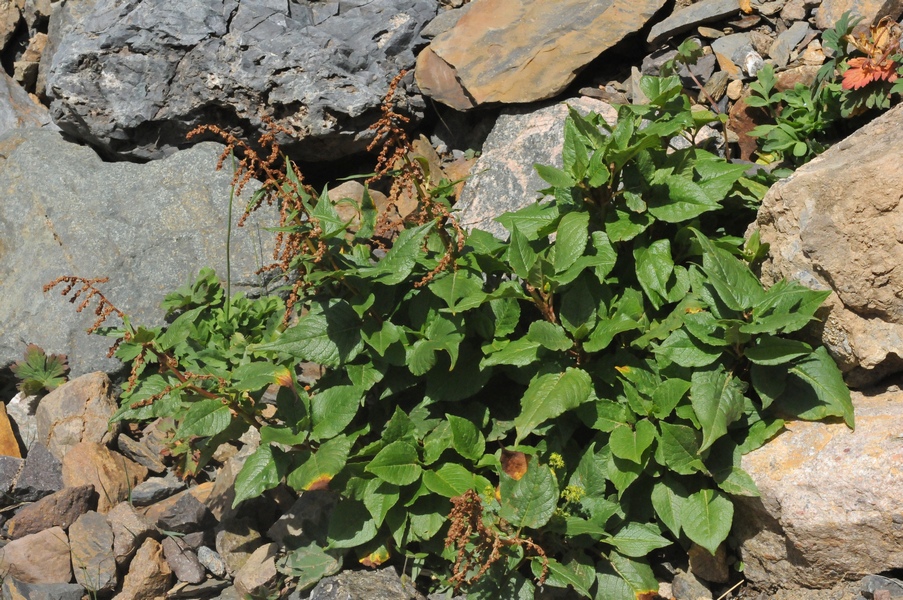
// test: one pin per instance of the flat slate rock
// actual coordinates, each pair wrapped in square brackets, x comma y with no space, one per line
[523,50]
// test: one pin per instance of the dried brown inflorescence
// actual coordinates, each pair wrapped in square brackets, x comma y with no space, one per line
[467,528]
[87,291]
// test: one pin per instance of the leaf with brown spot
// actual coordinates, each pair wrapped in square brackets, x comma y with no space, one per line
[514,464]
[376,557]
[320,483]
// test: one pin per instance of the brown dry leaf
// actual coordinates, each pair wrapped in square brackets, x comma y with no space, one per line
[746,6]
[514,463]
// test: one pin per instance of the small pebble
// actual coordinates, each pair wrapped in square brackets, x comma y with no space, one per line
[212,561]
[735,89]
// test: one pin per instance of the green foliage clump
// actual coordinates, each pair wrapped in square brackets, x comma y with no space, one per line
[39,371]
[496,414]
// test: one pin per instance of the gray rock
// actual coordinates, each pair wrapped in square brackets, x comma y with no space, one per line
[384,584]
[735,47]
[140,453]
[212,561]
[130,529]
[41,475]
[18,110]
[13,589]
[873,583]
[59,509]
[310,510]
[236,539]
[182,513]
[9,470]
[209,588]
[785,43]
[183,561]
[504,178]
[149,228]
[445,20]
[155,489]
[77,411]
[686,586]
[132,77]
[259,571]
[91,546]
[685,19]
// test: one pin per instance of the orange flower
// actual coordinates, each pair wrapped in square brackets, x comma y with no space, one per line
[864,70]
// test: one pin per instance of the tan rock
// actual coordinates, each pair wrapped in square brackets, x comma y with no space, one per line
[130,529]
[837,225]
[111,473]
[259,572]
[77,411]
[59,509]
[830,11]
[149,574]
[91,545]
[183,512]
[830,504]
[523,50]
[9,446]
[42,557]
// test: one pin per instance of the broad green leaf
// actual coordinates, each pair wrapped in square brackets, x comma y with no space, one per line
[622,473]
[450,480]
[532,219]
[381,336]
[668,498]
[319,467]
[678,449]
[205,418]
[521,256]
[254,376]
[573,153]
[660,89]
[520,353]
[604,415]
[820,374]
[427,516]
[282,435]
[329,336]
[685,351]
[333,409]
[379,497]
[667,395]
[549,396]
[421,356]
[770,383]
[573,574]
[570,240]
[350,525]
[179,330]
[398,263]
[529,501]
[258,474]
[771,350]
[685,200]
[717,402]
[622,226]
[578,309]
[309,564]
[717,177]
[397,463]
[630,444]
[736,482]
[638,540]
[638,574]
[654,266]
[736,285]
[706,517]
[591,472]
[457,285]
[507,315]
[549,335]
[467,439]
[554,176]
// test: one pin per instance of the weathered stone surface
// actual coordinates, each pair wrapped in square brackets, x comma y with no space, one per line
[9,445]
[149,574]
[70,219]
[503,177]
[236,540]
[526,50]
[207,589]
[787,41]
[687,587]
[91,545]
[140,453]
[21,409]
[134,77]
[10,16]
[830,503]
[183,561]
[9,471]
[41,475]
[77,411]
[155,489]
[13,589]
[384,583]
[130,529]
[837,224]
[184,512]
[685,19]
[42,557]
[222,494]
[59,509]
[307,512]
[212,561]
[259,571]
[829,11]
[18,110]
[111,474]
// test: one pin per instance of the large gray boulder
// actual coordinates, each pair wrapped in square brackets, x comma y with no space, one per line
[149,228]
[837,224]
[132,77]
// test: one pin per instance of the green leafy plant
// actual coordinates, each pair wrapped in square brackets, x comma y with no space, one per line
[805,118]
[495,414]
[39,371]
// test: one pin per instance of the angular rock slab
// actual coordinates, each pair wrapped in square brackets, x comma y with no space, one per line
[77,411]
[830,505]
[837,224]
[133,77]
[829,11]
[503,178]
[523,50]
[38,558]
[91,546]
[149,228]
[111,474]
